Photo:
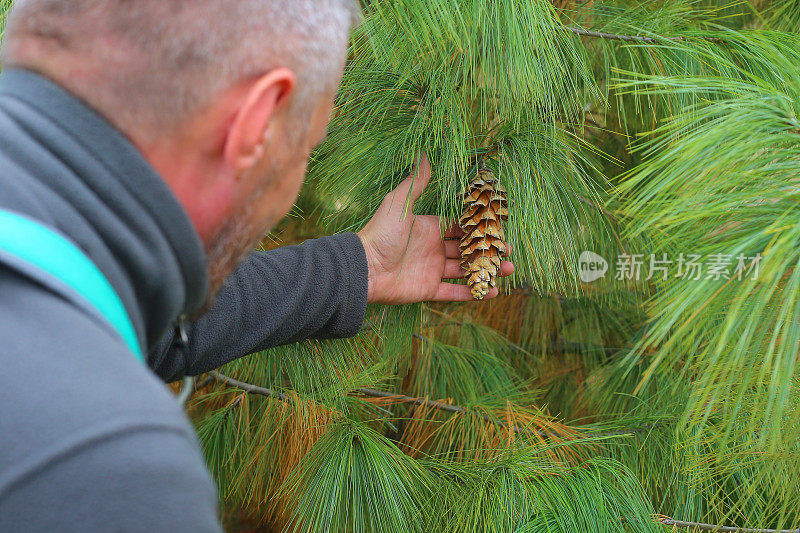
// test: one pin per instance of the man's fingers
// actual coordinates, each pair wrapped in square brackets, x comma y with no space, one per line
[506,268]
[453,232]
[452,269]
[450,292]
[420,176]
[410,188]
[493,292]
[452,249]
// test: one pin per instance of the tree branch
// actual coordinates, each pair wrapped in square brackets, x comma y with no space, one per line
[261,391]
[698,526]
[631,38]
[206,381]
[247,387]
[441,406]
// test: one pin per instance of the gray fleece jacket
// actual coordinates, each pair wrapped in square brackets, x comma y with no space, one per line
[90,439]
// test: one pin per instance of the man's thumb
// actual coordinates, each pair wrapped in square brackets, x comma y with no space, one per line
[417,181]
[420,176]
[410,189]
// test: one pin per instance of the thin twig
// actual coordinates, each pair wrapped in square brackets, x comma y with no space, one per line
[206,382]
[441,406]
[667,521]
[261,391]
[233,405]
[634,38]
[247,387]
[434,404]
[596,206]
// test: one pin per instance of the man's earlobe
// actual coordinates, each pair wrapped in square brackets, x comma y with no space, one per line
[250,129]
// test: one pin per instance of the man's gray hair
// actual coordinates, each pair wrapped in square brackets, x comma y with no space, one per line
[151,64]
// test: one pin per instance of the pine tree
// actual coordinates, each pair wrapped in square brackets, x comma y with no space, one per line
[662,136]
[5,8]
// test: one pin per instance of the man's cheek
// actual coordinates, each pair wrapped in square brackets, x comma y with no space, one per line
[294,181]
[291,193]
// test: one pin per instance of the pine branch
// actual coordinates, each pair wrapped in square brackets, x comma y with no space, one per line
[434,404]
[441,406]
[206,381]
[255,389]
[634,38]
[698,526]
[247,387]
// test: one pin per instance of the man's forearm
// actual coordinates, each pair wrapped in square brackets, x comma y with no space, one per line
[314,290]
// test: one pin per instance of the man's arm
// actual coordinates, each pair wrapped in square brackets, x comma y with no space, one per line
[317,289]
[320,288]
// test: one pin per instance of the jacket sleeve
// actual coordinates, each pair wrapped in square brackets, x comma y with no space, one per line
[317,289]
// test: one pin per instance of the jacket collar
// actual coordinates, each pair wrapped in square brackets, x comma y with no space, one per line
[74,170]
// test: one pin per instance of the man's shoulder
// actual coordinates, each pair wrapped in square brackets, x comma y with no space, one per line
[66,377]
[70,363]
[77,408]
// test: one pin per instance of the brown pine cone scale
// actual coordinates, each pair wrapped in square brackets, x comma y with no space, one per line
[485,208]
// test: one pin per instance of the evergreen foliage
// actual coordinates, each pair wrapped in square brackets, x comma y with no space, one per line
[619,127]
[5,7]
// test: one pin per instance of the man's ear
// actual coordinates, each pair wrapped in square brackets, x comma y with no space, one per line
[251,124]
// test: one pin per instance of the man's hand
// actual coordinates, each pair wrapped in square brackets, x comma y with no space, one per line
[407,255]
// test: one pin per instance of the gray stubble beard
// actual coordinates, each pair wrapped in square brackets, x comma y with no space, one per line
[233,243]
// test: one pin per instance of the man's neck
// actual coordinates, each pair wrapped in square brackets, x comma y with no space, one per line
[69,168]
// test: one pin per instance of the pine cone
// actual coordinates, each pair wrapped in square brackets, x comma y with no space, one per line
[485,207]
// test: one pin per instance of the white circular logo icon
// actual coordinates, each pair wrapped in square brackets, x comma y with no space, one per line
[591,266]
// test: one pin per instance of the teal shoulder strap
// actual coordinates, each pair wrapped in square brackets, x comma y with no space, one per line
[52,253]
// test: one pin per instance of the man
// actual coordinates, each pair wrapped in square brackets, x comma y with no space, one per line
[163,138]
